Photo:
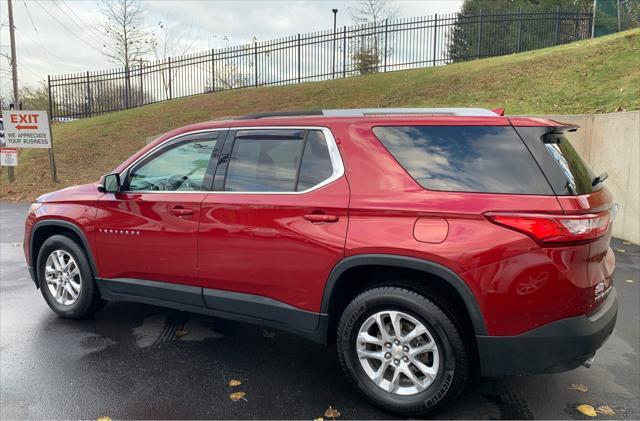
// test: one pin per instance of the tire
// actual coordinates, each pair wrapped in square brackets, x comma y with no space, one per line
[443,337]
[88,299]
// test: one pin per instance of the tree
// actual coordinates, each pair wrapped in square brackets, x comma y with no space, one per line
[129,40]
[170,41]
[467,42]
[373,11]
[34,98]
[366,51]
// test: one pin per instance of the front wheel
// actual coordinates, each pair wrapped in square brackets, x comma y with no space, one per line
[402,351]
[66,279]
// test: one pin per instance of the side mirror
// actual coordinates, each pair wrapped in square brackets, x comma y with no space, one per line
[110,183]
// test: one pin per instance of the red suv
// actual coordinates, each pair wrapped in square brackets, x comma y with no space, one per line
[423,242]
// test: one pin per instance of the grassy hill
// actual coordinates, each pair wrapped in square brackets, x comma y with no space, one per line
[594,76]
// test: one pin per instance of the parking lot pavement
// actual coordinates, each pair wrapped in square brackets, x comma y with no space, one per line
[128,362]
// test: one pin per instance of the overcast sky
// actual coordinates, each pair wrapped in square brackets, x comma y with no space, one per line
[62,37]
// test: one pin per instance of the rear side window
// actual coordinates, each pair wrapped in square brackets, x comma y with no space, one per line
[278,161]
[481,159]
[316,162]
[568,174]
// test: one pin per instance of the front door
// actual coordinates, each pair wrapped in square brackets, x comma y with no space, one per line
[146,235]
[270,237]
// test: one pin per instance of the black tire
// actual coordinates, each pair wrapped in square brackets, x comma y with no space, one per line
[89,300]
[454,355]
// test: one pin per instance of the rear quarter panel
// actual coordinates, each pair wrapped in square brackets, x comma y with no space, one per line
[518,284]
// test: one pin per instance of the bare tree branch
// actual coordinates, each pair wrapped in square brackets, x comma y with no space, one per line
[129,40]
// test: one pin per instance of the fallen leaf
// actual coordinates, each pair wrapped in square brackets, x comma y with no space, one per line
[266,333]
[105,418]
[606,410]
[630,281]
[234,383]
[588,410]
[331,413]
[236,396]
[181,333]
[579,387]
[620,250]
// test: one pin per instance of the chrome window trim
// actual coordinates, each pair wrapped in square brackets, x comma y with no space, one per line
[334,155]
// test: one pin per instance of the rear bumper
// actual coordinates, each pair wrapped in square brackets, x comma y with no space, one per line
[559,346]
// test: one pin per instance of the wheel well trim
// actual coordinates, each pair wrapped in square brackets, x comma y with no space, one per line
[405,262]
[64,224]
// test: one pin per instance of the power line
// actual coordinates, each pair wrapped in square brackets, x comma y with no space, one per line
[36,31]
[62,24]
[98,34]
[88,33]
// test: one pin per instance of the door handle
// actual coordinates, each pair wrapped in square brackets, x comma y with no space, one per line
[321,217]
[180,211]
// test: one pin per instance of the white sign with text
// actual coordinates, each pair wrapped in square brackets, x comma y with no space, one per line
[26,129]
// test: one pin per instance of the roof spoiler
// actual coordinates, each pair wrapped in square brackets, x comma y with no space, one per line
[564,128]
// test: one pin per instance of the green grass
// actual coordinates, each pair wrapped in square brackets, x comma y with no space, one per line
[593,76]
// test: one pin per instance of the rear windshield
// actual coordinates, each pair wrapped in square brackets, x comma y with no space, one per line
[465,158]
[567,173]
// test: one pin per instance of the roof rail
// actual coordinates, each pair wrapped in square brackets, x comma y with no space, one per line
[281,114]
[364,112]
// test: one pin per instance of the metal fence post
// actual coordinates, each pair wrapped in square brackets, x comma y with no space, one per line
[555,42]
[521,17]
[386,34]
[127,86]
[344,51]
[170,87]
[479,40]
[435,37]
[213,71]
[141,96]
[299,59]
[255,61]
[89,111]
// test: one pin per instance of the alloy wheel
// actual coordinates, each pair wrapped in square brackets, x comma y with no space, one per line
[397,352]
[63,278]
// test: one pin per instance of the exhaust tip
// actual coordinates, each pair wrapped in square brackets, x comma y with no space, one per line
[589,362]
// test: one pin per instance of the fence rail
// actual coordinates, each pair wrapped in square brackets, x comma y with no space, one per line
[387,46]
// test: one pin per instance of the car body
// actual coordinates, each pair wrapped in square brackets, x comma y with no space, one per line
[522,272]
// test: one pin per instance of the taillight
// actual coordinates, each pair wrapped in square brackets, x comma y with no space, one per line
[555,228]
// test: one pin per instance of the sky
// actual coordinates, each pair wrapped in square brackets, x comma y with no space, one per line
[62,36]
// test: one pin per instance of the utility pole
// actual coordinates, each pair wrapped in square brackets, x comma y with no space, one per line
[14,72]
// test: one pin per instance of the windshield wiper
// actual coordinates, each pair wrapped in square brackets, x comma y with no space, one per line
[599,179]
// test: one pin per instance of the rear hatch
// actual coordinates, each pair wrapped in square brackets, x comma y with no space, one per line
[588,206]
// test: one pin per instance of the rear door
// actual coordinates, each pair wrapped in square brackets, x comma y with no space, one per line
[277,225]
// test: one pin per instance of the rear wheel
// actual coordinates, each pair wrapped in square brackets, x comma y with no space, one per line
[402,351]
[66,280]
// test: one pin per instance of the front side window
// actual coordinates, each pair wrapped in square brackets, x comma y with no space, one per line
[278,161]
[182,167]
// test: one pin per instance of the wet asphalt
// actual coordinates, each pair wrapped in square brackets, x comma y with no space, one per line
[127,362]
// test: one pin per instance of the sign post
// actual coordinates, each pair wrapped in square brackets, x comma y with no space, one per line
[29,129]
